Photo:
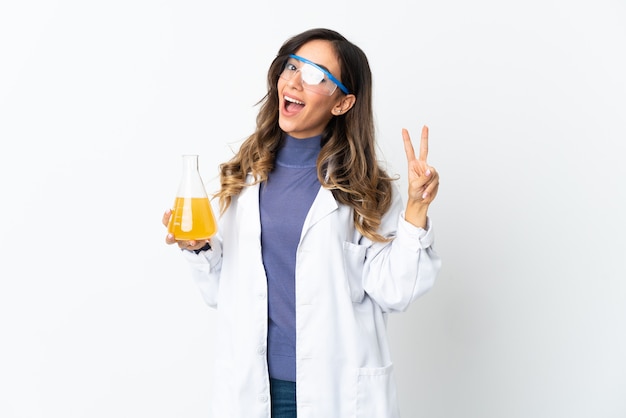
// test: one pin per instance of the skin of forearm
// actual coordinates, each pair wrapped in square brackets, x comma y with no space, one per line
[416,214]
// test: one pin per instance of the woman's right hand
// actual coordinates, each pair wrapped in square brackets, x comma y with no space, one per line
[185,245]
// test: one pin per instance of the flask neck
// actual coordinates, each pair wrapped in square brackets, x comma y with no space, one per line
[190,164]
[191,183]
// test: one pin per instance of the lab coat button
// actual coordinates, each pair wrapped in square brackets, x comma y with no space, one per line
[261,350]
[263,398]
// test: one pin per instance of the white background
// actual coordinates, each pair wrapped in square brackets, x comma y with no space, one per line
[526,103]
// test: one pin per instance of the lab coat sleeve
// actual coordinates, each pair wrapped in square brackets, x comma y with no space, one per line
[205,270]
[399,272]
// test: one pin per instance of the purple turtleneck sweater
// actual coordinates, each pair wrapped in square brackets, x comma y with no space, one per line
[285,199]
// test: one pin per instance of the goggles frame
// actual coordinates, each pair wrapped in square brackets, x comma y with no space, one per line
[327,73]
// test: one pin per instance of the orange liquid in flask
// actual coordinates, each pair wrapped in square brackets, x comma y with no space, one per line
[192,219]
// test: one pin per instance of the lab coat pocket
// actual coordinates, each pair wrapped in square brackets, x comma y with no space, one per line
[353,260]
[376,393]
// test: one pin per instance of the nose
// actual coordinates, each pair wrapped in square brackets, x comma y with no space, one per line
[295,80]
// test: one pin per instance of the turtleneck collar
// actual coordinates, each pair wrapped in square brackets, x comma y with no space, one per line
[299,153]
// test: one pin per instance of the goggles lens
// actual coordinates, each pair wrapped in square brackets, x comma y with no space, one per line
[314,77]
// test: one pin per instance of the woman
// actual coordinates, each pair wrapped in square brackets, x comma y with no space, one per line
[314,246]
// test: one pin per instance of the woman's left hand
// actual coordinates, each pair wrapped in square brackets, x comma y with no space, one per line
[423,180]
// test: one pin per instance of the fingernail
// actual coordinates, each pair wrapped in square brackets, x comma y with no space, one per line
[428,172]
[170,236]
[425,195]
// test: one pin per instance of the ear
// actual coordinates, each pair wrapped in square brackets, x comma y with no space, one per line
[344,104]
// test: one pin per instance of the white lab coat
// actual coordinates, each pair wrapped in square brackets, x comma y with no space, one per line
[345,286]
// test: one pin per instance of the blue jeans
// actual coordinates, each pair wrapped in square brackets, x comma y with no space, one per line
[283,394]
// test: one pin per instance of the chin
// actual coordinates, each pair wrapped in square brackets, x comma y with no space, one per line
[285,126]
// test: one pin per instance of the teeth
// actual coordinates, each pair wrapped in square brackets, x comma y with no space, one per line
[289,99]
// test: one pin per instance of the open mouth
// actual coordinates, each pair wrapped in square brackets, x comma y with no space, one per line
[292,105]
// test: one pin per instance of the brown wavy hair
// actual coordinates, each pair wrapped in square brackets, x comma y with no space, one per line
[347,164]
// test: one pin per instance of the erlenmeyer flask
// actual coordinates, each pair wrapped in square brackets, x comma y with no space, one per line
[192,216]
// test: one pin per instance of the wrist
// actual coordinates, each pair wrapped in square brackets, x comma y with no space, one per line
[416,213]
[205,247]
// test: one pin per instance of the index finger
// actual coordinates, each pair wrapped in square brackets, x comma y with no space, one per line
[408,146]
[424,144]
[166,217]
